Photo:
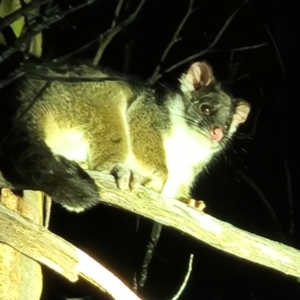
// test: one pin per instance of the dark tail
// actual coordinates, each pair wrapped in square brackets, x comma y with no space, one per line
[64,180]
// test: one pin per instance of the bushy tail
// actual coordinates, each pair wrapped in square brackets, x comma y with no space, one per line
[64,180]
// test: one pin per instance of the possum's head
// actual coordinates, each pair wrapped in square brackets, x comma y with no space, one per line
[208,106]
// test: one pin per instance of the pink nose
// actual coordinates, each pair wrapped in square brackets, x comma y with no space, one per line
[216,134]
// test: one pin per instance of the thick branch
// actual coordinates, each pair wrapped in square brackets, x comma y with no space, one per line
[200,225]
[45,247]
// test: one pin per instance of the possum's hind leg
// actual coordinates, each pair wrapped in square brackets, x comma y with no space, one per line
[64,180]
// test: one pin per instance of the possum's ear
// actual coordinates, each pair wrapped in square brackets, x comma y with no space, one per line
[241,112]
[198,75]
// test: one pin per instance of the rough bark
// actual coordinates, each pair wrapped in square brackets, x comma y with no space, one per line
[20,276]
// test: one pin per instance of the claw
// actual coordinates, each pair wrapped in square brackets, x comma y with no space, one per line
[197,204]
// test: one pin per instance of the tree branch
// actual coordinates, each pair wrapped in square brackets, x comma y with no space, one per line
[49,249]
[186,278]
[207,50]
[117,12]
[216,233]
[173,41]
[37,25]
[106,37]
[21,12]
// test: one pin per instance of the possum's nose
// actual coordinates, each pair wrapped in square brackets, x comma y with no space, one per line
[216,134]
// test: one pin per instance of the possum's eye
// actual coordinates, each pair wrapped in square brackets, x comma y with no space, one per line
[206,109]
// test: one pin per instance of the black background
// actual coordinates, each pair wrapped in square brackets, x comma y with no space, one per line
[252,186]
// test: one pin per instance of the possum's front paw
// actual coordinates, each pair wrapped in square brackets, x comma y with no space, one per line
[126,178]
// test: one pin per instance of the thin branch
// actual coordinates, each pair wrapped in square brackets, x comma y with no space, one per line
[264,199]
[228,21]
[38,24]
[174,39]
[66,57]
[205,51]
[52,251]
[290,196]
[127,55]
[276,49]
[106,37]
[117,13]
[241,48]
[186,278]
[140,279]
[216,233]
[21,12]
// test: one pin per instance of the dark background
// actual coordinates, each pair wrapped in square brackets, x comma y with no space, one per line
[252,186]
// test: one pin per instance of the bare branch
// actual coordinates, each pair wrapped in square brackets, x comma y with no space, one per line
[241,48]
[199,225]
[117,13]
[290,196]
[127,55]
[173,41]
[37,25]
[276,49]
[228,21]
[140,279]
[106,37]
[263,198]
[49,249]
[205,51]
[64,58]
[186,278]
[21,12]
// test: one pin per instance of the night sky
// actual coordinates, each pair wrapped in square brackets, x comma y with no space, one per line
[252,186]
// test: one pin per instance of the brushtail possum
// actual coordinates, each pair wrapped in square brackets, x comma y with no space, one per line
[159,140]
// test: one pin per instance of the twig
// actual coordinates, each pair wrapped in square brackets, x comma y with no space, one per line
[240,78]
[186,278]
[21,12]
[173,41]
[26,49]
[66,57]
[49,249]
[106,37]
[276,49]
[127,55]
[264,199]
[290,196]
[38,26]
[207,50]
[151,245]
[241,48]
[117,13]
[228,21]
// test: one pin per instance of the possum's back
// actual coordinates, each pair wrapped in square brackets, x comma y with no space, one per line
[71,118]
